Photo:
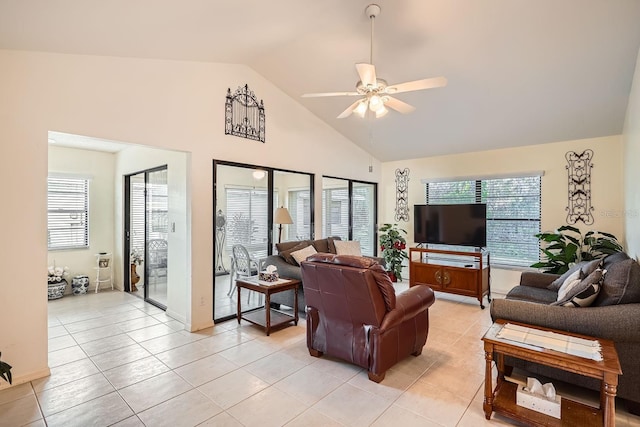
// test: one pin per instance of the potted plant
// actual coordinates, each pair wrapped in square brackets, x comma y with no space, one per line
[393,245]
[136,259]
[5,371]
[567,246]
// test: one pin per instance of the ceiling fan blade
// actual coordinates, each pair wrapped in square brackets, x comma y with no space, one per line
[349,110]
[417,85]
[398,105]
[367,73]
[322,94]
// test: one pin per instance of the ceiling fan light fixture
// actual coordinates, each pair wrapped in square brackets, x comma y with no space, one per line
[361,108]
[381,112]
[375,102]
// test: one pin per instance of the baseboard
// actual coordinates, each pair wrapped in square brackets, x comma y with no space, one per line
[176,316]
[194,328]
[21,379]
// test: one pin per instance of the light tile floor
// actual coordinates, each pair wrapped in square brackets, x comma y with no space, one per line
[118,361]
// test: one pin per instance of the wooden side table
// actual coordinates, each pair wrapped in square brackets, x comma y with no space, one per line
[268,317]
[502,399]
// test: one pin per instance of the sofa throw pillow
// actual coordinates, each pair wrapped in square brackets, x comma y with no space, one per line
[569,283]
[621,285]
[303,254]
[350,247]
[585,292]
[587,267]
[286,253]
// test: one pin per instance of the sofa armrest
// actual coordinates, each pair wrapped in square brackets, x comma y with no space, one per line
[284,268]
[537,280]
[409,303]
[619,323]
[380,260]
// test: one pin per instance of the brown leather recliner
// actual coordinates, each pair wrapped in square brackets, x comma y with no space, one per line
[354,314]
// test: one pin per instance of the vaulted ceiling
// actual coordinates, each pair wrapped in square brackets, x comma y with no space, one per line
[519,72]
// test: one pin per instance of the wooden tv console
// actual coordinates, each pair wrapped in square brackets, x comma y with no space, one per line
[454,272]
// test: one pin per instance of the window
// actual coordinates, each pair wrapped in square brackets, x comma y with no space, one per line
[300,211]
[67,213]
[335,212]
[513,213]
[247,219]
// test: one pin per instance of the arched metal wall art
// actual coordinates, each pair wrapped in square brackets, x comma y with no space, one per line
[243,114]
[402,194]
[579,174]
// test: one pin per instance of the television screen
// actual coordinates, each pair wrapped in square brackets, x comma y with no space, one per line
[460,225]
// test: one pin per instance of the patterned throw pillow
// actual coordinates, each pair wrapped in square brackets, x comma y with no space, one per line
[584,293]
[569,283]
[303,254]
[351,247]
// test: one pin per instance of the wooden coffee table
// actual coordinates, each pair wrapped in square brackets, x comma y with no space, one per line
[502,399]
[268,317]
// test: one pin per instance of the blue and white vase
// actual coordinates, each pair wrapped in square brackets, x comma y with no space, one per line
[79,285]
[56,289]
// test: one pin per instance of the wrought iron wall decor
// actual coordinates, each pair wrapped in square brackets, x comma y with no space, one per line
[243,114]
[402,195]
[579,174]
[221,234]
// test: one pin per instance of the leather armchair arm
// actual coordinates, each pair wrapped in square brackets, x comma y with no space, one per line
[409,303]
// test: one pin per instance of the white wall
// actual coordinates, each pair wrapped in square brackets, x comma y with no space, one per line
[176,105]
[632,171]
[99,166]
[607,197]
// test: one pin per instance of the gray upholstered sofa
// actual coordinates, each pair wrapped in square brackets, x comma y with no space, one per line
[614,315]
[289,268]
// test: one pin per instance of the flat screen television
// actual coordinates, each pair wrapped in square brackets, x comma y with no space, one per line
[459,225]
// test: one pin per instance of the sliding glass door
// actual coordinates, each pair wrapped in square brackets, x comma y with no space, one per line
[349,210]
[246,198]
[146,235]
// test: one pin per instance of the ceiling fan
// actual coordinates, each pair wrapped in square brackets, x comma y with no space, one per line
[376,93]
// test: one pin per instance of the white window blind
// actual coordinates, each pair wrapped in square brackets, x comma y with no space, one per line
[513,213]
[300,211]
[335,212]
[363,214]
[67,213]
[247,219]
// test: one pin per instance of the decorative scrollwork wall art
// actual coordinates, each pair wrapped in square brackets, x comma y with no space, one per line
[579,174]
[243,114]
[402,195]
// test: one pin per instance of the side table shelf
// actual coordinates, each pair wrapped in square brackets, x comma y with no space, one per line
[104,272]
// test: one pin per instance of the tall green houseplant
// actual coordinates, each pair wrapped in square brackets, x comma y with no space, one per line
[567,246]
[393,245]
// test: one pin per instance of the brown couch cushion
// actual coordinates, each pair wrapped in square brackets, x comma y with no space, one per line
[621,283]
[321,245]
[285,250]
[332,247]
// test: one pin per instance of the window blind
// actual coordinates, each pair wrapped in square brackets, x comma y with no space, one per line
[363,226]
[513,213]
[247,219]
[67,213]
[300,211]
[335,212]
